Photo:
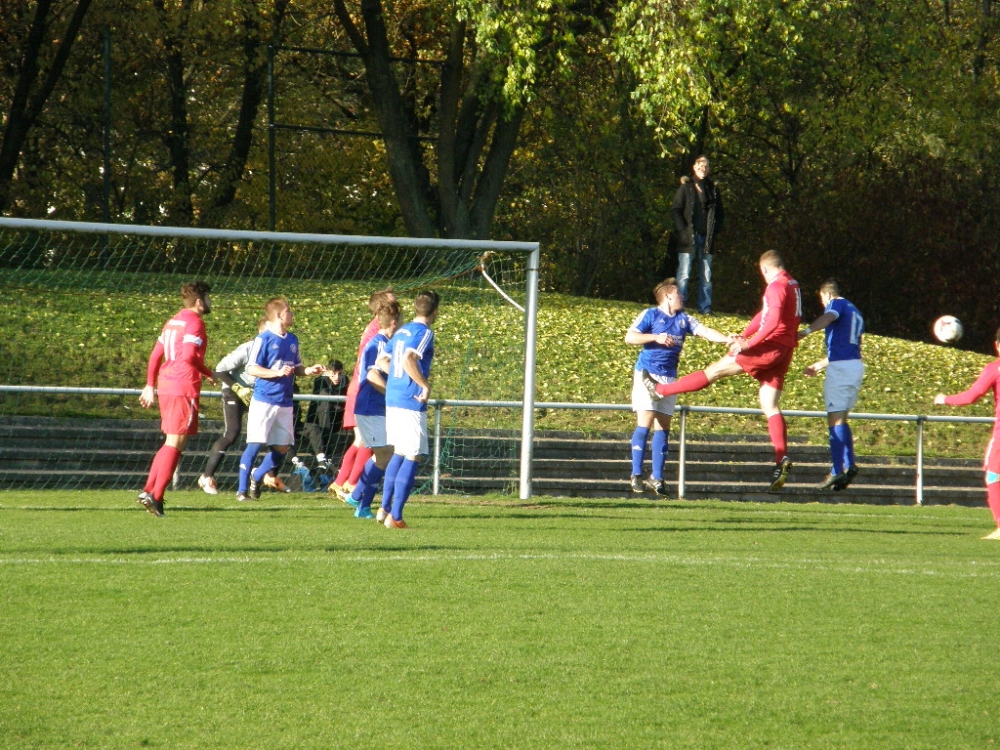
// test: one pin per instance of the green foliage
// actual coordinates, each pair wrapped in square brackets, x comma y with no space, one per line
[582,358]
[559,624]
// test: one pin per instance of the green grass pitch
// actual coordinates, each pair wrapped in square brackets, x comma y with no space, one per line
[493,623]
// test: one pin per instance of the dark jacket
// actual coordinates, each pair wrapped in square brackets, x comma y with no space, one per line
[327,414]
[683,212]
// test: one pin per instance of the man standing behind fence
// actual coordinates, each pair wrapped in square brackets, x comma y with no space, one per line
[176,367]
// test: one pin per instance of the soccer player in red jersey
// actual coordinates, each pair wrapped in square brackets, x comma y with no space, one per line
[988,380]
[178,359]
[763,351]
[355,458]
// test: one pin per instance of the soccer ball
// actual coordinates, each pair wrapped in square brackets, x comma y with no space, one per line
[947,329]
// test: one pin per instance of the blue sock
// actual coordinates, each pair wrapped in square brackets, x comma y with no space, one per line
[639,449]
[367,485]
[836,450]
[272,460]
[405,479]
[390,480]
[246,464]
[847,440]
[659,453]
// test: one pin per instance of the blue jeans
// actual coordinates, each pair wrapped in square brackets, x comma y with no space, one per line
[703,270]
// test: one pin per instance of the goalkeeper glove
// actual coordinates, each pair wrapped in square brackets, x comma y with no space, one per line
[242,393]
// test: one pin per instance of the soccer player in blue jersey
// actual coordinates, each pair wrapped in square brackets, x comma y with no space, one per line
[407,390]
[844,373]
[274,361]
[660,331]
[369,411]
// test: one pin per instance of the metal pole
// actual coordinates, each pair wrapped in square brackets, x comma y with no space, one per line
[437,449]
[271,189]
[530,344]
[682,455]
[920,460]
[106,209]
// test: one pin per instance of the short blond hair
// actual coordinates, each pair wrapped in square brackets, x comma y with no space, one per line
[274,306]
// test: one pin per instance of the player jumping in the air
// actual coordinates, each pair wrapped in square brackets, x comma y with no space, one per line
[988,380]
[844,373]
[176,367]
[660,331]
[763,351]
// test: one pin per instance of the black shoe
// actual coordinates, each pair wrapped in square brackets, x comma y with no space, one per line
[781,471]
[638,486]
[846,478]
[831,482]
[254,491]
[243,497]
[650,384]
[152,505]
[658,486]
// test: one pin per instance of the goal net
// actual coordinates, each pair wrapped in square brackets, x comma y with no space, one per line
[85,303]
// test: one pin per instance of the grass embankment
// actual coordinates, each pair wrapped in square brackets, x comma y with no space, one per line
[563,624]
[92,339]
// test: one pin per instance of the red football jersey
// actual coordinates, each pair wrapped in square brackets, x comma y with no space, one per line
[779,318]
[355,384]
[988,380]
[179,356]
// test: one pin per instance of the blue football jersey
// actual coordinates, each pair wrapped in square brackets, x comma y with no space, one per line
[843,336]
[401,390]
[370,401]
[274,351]
[658,359]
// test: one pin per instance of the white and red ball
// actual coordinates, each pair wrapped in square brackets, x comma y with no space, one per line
[948,329]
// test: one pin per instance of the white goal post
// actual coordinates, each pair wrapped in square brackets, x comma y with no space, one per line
[104,234]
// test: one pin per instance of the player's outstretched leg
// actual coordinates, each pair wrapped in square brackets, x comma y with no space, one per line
[694,381]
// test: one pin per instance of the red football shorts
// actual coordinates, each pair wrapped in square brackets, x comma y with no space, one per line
[178,415]
[767,363]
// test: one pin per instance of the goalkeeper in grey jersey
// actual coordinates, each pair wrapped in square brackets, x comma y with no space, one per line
[237,388]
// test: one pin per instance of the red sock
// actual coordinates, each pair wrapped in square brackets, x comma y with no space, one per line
[346,464]
[164,465]
[689,383]
[993,500]
[778,431]
[360,459]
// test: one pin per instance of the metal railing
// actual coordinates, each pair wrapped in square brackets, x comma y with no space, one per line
[683,410]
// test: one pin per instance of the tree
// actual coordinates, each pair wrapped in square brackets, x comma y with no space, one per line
[490,58]
[38,69]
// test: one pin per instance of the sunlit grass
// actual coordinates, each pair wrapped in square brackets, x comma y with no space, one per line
[581,357]
[494,623]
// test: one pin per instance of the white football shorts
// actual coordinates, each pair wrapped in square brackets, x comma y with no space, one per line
[641,400]
[270,424]
[406,431]
[372,429]
[843,382]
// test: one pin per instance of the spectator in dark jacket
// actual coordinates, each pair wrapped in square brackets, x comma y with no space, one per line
[698,215]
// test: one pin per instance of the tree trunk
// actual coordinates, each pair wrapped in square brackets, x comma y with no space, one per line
[26,106]
[463,202]
[254,75]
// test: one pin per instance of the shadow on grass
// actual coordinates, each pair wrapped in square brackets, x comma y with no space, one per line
[278,549]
